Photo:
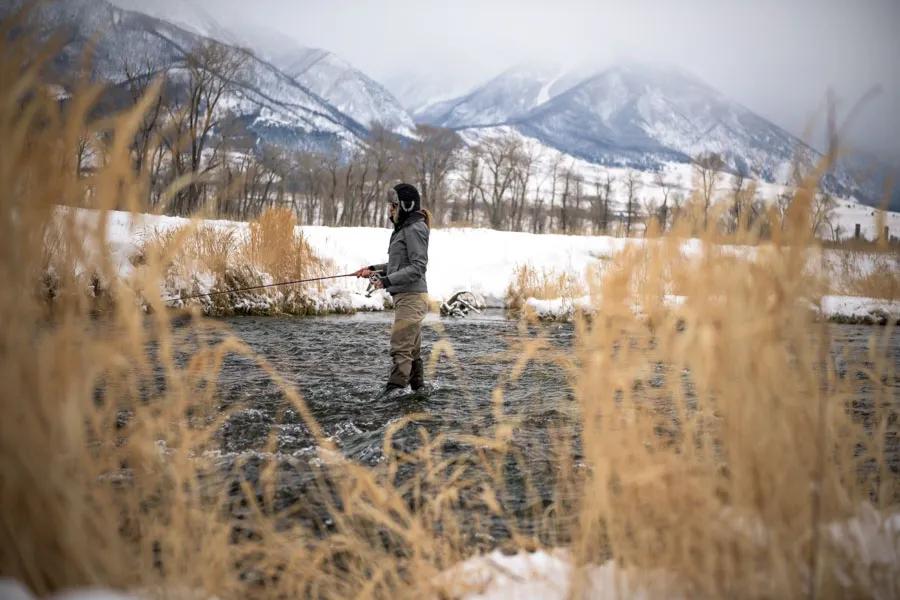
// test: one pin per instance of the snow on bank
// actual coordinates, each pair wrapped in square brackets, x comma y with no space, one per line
[11,589]
[559,309]
[543,574]
[841,309]
[565,309]
[126,232]
[482,261]
[866,547]
[855,309]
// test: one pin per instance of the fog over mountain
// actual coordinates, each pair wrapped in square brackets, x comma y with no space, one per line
[776,58]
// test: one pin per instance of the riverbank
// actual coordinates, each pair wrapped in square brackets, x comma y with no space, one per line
[486,262]
[837,309]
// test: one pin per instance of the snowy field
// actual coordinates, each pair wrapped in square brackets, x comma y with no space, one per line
[481,261]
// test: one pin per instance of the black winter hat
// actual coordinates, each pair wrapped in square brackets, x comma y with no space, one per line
[408,197]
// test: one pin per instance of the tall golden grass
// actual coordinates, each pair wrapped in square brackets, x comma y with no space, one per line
[718,440]
[532,282]
[867,273]
[270,250]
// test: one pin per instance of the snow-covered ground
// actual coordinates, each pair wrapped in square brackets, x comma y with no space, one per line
[867,546]
[543,574]
[845,309]
[481,261]
[854,309]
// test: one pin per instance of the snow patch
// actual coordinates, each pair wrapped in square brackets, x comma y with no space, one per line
[544,574]
[558,308]
[860,309]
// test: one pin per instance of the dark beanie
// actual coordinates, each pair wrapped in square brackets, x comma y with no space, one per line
[408,197]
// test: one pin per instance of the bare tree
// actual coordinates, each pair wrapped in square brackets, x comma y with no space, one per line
[651,213]
[554,177]
[312,186]
[382,153]
[707,167]
[500,154]
[665,186]
[565,200]
[823,206]
[538,221]
[211,72]
[738,213]
[139,83]
[433,155]
[677,210]
[782,206]
[632,183]
[578,197]
[523,167]
[607,188]
[474,183]
[333,177]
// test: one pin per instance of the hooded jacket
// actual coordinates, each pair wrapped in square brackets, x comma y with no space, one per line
[404,272]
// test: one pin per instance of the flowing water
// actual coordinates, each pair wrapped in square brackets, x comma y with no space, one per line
[340,363]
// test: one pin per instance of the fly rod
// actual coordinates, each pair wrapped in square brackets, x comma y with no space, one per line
[258,287]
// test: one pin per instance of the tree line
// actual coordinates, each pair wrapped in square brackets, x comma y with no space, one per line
[199,157]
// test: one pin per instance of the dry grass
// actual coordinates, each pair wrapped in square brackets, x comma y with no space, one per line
[275,246]
[867,274]
[530,282]
[718,439]
[201,256]
[192,248]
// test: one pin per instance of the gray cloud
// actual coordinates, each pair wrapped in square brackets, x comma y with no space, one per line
[777,58]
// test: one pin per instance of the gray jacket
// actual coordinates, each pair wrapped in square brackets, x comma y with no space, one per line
[407,257]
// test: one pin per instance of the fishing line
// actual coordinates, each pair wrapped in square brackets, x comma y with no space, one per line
[259,287]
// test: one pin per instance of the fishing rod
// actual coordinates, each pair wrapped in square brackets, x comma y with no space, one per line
[259,287]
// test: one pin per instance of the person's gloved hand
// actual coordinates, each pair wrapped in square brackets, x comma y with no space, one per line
[378,282]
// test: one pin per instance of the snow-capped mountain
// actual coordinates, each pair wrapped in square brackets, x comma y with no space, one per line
[346,88]
[630,115]
[639,115]
[417,91]
[325,74]
[186,14]
[504,98]
[272,104]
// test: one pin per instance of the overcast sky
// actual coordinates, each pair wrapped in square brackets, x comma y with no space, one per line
[777,57]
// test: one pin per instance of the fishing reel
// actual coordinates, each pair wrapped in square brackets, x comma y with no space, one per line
[373,279]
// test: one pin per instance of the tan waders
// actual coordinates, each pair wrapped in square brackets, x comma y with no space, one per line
[406,338]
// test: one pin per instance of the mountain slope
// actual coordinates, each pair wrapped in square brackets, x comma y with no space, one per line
[328,76]
[504,98]
[344,87]
[632,115]
[273,105]
[637,115]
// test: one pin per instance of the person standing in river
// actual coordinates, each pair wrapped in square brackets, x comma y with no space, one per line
[403,277]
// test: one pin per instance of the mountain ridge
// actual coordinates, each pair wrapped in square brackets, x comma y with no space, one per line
[277,108]
[334,79]
[642,115]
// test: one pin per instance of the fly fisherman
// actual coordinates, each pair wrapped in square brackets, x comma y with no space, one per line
[403,277]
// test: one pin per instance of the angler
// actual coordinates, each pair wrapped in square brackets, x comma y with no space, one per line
[403,277]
